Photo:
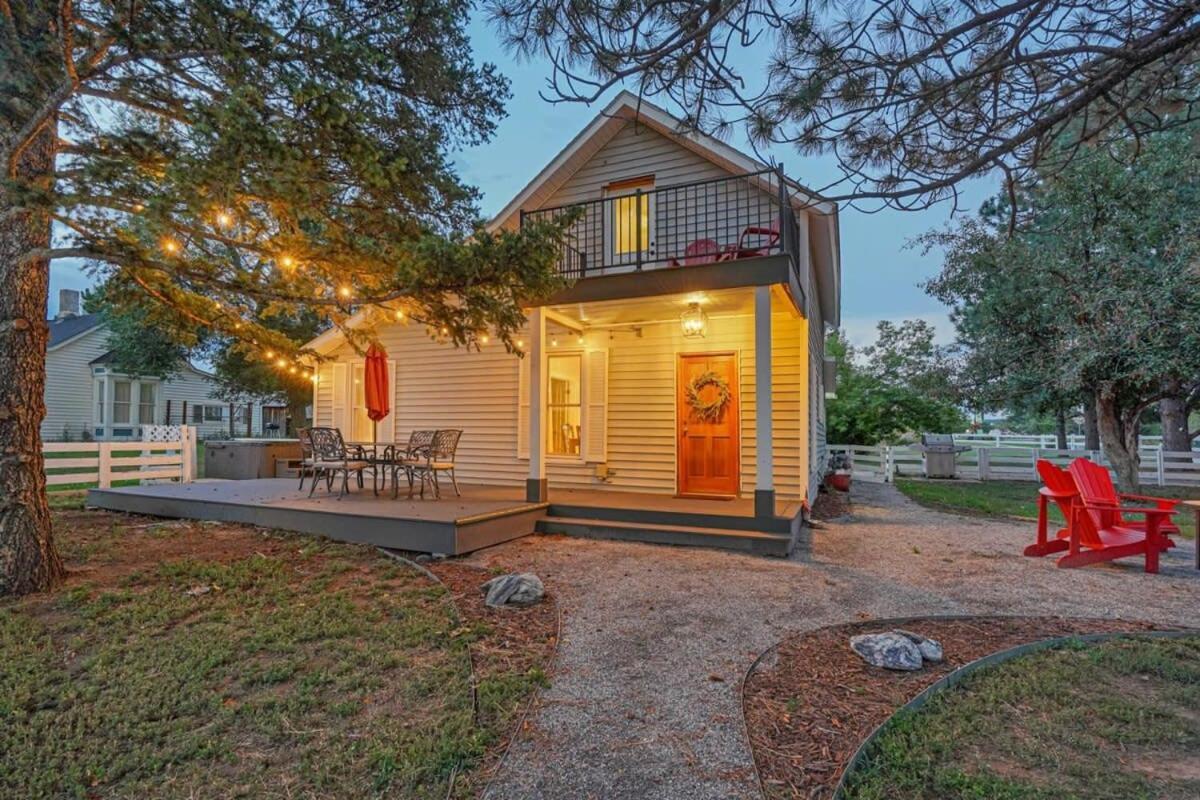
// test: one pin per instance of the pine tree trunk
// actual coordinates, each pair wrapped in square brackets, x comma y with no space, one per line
[1091,427]
[1060,428]
[1119,437]
[1173,411]
[28,560]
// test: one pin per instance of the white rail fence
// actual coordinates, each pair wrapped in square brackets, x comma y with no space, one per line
[1046,441]
[101,464]
[883,463]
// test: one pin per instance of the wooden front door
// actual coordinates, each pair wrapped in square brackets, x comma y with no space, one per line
[709,453]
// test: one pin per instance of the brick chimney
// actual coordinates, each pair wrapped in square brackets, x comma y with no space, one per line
[68,304]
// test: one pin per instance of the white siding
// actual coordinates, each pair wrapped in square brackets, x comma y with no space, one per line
[438,386]
[69,406]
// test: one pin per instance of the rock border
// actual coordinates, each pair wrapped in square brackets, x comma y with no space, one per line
[952,679]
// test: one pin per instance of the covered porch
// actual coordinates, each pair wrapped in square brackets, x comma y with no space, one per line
[482,516]
[702,396]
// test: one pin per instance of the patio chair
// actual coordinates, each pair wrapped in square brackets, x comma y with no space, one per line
[1060,489]
[1096,488]
[415,453]
[440,459]
[306,455]
[767,239]
[331,457]
[1095,535]
[701,251]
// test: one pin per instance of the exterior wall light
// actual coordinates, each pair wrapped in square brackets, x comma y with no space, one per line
[694,322]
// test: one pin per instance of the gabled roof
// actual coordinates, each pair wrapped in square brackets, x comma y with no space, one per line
[65,329]
[626,107]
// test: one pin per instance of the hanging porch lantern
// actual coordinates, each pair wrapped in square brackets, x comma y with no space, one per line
[694,322]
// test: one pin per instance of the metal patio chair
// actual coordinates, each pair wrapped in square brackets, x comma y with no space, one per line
[331,457]
[415,453]
[440,459]
[306,455]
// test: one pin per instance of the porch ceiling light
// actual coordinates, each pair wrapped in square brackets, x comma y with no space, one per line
[694,322]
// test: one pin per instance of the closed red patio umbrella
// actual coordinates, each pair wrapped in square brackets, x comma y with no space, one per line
[375,380]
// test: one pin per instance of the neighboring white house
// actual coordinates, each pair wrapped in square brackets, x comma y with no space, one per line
[687,356]
[85,398]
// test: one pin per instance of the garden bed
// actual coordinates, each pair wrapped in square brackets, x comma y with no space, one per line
[182,659]
[811,701]
[1104,719]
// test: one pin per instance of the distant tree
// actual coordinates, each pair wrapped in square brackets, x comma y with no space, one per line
[1094,293]
[226,159]
[138,344]
[889,391]
[244,379]
[910,97]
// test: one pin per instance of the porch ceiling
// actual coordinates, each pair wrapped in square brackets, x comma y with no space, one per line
[719,302]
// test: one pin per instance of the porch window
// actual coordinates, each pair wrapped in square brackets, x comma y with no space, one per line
[147,401]
[565,404]
[120,402]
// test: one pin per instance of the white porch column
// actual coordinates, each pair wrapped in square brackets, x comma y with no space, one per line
[535,486]
[764,485]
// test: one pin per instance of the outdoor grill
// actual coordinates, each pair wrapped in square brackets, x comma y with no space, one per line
[940,455]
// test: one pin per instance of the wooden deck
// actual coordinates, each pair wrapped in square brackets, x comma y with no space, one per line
[483,516]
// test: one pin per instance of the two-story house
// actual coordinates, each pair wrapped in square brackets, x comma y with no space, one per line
[685,359]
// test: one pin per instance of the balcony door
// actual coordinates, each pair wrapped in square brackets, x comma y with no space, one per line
[709,453]
[629,223]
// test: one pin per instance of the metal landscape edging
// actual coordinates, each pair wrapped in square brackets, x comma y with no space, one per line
[955,677]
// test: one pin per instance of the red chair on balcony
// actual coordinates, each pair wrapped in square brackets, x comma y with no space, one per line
[701,251]
[1097,531]
[767,240]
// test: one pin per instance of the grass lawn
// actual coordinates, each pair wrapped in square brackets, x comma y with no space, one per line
[199,660]
[1112,720]
[1017,499]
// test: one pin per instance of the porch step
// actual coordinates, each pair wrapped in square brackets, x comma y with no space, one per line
[757,542]
[663,518]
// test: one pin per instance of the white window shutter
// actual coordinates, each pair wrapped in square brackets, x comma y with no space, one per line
[523,407]
[387,425]
[595,425]
[341,394]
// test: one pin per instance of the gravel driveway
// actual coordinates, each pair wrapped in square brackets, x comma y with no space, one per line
[644,702]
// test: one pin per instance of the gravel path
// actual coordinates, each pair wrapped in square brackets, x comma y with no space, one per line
[644,701]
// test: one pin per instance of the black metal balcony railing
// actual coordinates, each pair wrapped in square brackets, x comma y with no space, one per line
[722,219]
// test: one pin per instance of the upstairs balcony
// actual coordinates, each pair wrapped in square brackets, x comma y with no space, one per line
[638,226]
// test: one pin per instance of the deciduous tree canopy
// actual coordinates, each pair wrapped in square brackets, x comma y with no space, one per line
[1095,292]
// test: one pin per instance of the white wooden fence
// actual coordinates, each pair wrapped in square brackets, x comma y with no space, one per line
[1042,440]
[103,463]
[882,463]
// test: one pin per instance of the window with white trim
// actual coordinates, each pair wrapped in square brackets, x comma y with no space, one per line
[564,404]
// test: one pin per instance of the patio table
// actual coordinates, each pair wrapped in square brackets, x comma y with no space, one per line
[372,452]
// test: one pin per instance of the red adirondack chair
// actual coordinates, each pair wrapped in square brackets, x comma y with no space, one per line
[1059,488]
[1094,534]
[1099,490]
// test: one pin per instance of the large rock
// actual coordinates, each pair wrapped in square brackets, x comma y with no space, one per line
[522,589]
[931,649]
[889,650]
